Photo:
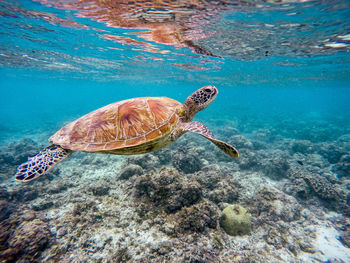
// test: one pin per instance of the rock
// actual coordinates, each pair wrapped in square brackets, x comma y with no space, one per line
[345,239]
[42,205]
[15,154]
[342,168]
[274,238]
[322,187]
[100,189]
[235,220]
[298,188]
[121,255]
[166,190]
[3,193]
[28,215]
[272,205]
[331,152]
[189,194]
[130,170]
[275,165]
[226,132]
[58,187]
[196,218]
[5,232]
[208,179]
[161,248]
[315,161]
[302,146]
[18,152]
[28,240]
[226,192]
[259,145]
[186,161]
[24,194]
[327,191]
[240,142]
[80,209]
[7,225]
[6,209]
[248,159]
[262,135]
[146,161]
[164,155]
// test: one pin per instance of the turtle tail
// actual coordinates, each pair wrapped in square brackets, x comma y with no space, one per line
[41,163]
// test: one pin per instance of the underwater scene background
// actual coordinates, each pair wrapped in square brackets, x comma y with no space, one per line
[282,69]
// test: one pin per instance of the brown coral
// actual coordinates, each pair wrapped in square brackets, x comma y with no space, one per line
[165,190]
[24,239]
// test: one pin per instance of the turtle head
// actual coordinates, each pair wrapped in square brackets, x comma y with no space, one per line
[199,100]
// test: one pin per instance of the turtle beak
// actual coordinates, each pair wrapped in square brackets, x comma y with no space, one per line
[215,90]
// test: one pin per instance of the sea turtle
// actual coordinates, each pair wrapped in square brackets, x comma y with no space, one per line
[132,126]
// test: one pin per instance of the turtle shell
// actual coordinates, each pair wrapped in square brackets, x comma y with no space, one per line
[122,126]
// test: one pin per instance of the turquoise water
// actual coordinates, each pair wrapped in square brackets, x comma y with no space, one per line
[282,69]
[33,104]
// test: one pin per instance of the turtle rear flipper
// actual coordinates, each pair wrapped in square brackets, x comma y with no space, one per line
[41,163]
[201,129]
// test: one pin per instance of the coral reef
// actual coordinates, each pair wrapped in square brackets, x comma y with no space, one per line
[166,206]
[322,187]
[306,184]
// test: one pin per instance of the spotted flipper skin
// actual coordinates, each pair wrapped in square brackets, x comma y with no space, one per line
[201,129]
[41,163]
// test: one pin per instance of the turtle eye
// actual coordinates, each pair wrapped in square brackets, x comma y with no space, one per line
[207,90]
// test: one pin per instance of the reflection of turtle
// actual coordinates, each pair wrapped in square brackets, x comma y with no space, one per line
[133,126]
[178,23]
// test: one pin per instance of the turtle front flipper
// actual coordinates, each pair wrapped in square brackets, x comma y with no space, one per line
[201,129]
[41,163]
